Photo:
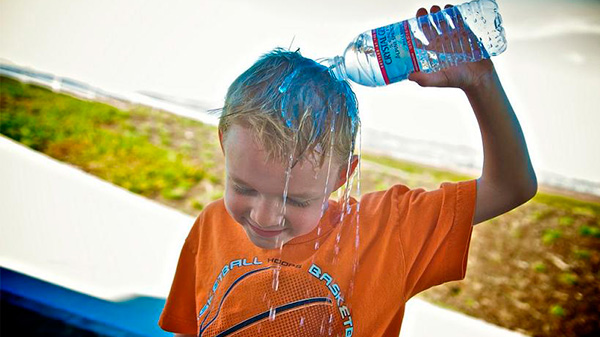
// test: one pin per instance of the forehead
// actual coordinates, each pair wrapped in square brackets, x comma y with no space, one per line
[247,162]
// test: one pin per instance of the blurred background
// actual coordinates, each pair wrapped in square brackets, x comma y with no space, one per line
[144,57]
[194,50]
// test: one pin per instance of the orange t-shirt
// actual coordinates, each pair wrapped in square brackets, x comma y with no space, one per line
[320,283]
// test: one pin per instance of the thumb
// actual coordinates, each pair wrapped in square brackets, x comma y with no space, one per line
[419,78]
[426,80]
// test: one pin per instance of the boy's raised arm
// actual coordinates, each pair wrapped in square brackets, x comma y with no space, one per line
[508,179]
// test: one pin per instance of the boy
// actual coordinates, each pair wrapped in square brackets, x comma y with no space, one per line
[276,257]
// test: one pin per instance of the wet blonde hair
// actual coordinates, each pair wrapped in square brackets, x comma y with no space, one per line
[293,105]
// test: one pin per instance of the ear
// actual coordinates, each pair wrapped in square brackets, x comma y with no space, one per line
[221,141]
[344,170]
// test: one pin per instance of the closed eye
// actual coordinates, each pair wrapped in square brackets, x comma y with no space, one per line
[242,190]
[249,191]
[296,203]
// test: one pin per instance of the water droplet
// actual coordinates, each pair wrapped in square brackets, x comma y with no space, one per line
[316,245]
[302,321]
[272,314]
[288,81]
[276,279]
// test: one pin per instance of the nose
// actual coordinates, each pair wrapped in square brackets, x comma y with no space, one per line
[267,213]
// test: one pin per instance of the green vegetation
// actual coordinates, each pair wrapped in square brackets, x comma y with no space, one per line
[568,278]
[566,220]
[411,168]
[551,235]
[586,230]
[540,267]
[569,204]
[583,254]
[96,137]
[557,310]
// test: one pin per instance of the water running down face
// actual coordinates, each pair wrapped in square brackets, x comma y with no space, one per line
[255,188]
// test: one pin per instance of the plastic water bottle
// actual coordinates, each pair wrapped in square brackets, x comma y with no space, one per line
[464,33]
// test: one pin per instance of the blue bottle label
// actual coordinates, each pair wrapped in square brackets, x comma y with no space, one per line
[395,51]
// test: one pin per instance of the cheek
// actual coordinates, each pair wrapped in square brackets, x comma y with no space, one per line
[304,220]
[235,204]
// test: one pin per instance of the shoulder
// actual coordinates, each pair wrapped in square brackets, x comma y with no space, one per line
[215,206]
[392,193]
[213,211]
[402,199]
[206,222]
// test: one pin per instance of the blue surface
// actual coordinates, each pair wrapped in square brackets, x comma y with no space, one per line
[135,317]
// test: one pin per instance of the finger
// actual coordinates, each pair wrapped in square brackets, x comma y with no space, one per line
[457,19]
[458,34]
[434,9]
[440,19]
[425,24]
[469,42]
[420,12]
[443,42]
[428,80]
[453,22]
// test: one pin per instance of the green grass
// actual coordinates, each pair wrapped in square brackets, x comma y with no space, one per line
[97,137]
[411,168]
[557,310]
[550,236]
[582,254]
[586,230]
[568,204]
[540,267]
[568,278]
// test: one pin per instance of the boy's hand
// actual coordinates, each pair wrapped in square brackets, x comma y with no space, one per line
[507,178]
[466,76]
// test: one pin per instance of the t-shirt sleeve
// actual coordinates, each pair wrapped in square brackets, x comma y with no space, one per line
[435,232]
[179,313]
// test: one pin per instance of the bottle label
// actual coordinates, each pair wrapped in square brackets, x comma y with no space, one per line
[395,51]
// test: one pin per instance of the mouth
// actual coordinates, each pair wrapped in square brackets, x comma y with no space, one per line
[265,233]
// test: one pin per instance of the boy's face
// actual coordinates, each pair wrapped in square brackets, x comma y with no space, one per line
[254,191]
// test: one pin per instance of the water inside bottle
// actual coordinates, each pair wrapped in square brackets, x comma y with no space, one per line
[466,33]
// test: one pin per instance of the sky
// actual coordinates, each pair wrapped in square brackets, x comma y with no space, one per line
[195,49]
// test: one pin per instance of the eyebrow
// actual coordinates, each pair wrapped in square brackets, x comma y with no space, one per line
[303,196]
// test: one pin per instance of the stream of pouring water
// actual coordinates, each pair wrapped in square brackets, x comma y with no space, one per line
[343,198]
[277,269]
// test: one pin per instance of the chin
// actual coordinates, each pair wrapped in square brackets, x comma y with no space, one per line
[264,243]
